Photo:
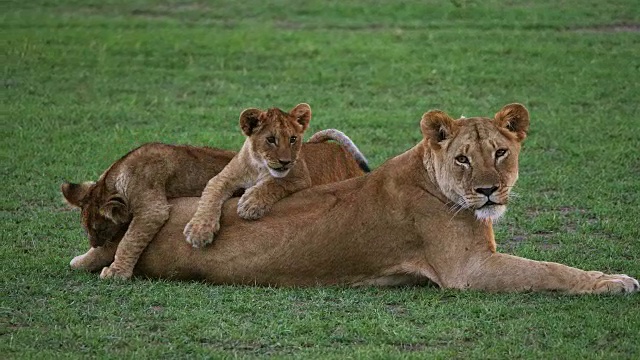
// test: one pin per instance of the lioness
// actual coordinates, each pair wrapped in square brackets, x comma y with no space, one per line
[394,226]
[130,198]
[270,165]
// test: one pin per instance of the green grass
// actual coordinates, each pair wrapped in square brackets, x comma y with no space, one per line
[85,81]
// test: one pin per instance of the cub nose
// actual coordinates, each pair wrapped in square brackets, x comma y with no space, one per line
[486,191]
[284,162]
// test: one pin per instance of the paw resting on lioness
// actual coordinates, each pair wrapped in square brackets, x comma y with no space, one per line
[200,233]
[112,272]
[250,207]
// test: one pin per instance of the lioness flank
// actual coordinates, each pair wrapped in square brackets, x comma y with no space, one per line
[394,226]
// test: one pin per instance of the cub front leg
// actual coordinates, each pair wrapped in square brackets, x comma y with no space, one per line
[96,258]
[141,231]
[205,223]
[259,199]
[501,272]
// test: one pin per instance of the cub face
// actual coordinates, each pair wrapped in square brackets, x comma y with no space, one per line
[276,136]
[103,217]
[475,160]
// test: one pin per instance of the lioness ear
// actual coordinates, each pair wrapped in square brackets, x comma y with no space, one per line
[75,193]
[436,127]
[515,118]
[116,210]
[250,120]
[302,113]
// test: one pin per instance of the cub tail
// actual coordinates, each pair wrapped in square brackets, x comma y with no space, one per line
[342,139]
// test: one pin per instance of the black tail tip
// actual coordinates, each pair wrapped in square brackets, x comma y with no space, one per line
[364,166]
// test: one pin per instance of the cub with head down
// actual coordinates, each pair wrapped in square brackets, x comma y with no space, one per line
[269,165]
[130,198]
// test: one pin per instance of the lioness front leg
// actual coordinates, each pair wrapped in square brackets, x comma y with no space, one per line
[259,199]
[141,231]
[501,272]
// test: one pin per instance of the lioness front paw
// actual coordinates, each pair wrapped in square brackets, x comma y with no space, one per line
[200,233]
[250,209]
[111,272]
[614,284]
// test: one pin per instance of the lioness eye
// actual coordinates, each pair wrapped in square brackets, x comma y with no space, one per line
[271,140]
[500,152]
[293,139]
[462,159]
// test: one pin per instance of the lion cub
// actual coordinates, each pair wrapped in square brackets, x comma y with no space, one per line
[130,199]
[268,166]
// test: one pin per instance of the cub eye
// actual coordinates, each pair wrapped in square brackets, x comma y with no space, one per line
[271,140]
[293,139]
[500,152]
[462,159]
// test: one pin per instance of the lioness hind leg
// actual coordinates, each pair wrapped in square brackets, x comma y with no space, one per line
[141,231]
[96,258]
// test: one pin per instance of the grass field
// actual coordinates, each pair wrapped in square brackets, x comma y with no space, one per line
[86,81]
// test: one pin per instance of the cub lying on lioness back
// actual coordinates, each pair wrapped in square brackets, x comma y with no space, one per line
[270,166]
[127,197]
[131,197]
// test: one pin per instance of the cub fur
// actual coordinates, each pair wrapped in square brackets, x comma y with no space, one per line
[269,165]
[130,197]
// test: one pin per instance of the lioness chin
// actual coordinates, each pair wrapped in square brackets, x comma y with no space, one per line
[395,226]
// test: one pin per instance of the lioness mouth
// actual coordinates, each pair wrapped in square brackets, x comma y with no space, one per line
[488,203]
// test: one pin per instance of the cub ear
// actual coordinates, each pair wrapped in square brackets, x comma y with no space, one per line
[515,118]
[74,194]
[116,210]
[302,113]
[436,127]
[250,120]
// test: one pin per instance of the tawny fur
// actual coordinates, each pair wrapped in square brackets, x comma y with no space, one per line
[130,198]
[270,166]
[398,225]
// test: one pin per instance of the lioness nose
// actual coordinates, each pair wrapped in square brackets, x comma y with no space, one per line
[486,190]
[285,162]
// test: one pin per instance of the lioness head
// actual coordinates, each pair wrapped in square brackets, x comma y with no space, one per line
[104,216]
[474,161]
[276,136]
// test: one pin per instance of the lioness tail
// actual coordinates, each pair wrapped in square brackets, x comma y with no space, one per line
[342,139]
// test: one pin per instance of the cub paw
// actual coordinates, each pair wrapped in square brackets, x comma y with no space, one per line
[250,209]
[199,234]
[615,284]
[114,273]
[86,262]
